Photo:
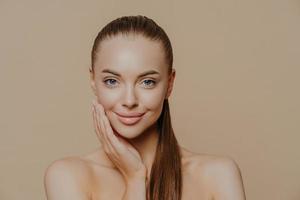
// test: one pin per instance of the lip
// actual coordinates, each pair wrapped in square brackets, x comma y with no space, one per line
[135,114]
[130,119]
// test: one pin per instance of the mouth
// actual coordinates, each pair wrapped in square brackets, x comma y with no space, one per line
[130,119]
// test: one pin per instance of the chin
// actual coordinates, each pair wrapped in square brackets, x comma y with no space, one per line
[125,132]
[128,132]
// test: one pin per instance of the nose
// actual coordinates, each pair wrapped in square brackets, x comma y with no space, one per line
[129,98]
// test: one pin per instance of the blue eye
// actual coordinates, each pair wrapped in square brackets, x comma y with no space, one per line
[109,81]
[112,82]
[149,82]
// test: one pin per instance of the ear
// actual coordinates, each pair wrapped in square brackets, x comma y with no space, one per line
[170,83]
[92,79]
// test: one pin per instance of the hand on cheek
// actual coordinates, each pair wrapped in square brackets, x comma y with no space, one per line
[122,153]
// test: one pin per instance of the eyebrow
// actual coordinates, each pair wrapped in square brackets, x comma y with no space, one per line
[141,75]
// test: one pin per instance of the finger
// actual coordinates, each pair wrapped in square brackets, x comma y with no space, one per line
[114,145]
[100,128]
[100,117]
[100,134]
[114,140]
[96,125]
[99,123]
[97,129]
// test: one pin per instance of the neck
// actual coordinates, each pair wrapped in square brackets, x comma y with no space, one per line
[146,144]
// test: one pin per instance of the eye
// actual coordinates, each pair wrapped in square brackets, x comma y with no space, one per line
[110,82]
[149,82]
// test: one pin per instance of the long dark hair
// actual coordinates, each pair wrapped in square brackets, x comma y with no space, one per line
[166,176]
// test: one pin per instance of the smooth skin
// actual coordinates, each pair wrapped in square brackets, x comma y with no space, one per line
[123,154]
[120,167]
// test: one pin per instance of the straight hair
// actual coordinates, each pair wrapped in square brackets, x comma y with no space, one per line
[166,176]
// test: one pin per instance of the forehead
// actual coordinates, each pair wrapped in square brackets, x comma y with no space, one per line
[130,53]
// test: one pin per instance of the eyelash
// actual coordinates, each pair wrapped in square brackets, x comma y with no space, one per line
[105,81]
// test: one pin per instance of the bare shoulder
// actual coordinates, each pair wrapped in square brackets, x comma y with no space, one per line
[67,178]
[221,173]
[77,177]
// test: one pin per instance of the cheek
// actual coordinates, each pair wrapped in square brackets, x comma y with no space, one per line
[152,100]
[107,98]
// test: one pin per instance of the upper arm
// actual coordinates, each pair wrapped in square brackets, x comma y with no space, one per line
[61,182]
[227,183]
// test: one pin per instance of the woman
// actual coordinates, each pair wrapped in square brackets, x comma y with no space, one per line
[132,78]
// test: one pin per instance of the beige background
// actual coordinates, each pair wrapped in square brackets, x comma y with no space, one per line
[236,91]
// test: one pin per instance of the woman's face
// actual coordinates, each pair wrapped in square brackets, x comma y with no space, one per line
[131,78]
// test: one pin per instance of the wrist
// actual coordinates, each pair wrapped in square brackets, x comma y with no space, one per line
[136,186]
[135,190]
[136,180]
[138,176]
